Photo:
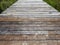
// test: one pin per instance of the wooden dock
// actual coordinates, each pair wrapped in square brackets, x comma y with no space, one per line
[30,23]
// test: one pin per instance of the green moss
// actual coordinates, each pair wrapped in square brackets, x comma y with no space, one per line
[4,4]
[54,3]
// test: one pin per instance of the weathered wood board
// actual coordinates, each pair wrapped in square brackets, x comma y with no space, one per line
[30,22]
[23,31]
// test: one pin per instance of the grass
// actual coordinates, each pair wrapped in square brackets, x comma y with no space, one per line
[4,4]
[54,3]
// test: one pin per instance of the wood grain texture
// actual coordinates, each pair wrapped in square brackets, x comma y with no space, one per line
[14,24]
[30,22]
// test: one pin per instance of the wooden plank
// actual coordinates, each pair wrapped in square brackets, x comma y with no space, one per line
[22,43]
[23,37]
[28,37]
[29,19]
